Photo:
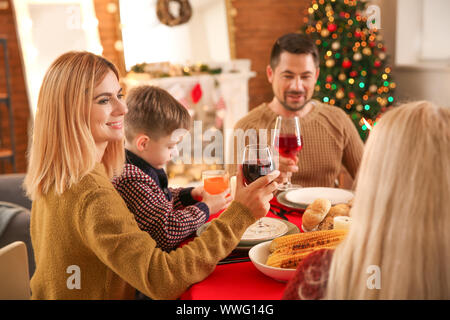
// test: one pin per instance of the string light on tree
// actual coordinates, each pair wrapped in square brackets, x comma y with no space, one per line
[354,72]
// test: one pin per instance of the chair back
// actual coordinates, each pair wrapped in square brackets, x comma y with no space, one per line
[14,277]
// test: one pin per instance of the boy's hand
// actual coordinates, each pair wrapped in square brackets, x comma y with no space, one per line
[256,195]
[217,202]
[197,193]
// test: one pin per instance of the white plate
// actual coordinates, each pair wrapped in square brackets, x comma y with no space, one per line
[273,228]
[246,245]
[281,197]
[306,196]
[258,255]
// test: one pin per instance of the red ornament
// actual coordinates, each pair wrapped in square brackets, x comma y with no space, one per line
[351,95]
[196,93]
[332,27]
[357,34]
[377,63]
[371,44]
[342,14]
[346,64]
[353,74]
[329,78]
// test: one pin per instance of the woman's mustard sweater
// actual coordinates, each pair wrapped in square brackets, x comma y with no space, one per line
[88,245]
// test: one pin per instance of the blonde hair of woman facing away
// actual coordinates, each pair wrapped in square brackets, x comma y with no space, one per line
[87,243]
[401,214]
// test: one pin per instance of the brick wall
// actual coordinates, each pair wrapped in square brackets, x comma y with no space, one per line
[258,23]
[108,16]
[21,110]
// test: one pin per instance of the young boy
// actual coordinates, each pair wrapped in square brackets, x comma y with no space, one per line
[168,215]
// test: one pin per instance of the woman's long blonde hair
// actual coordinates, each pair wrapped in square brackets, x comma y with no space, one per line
[401,213]
[63,150]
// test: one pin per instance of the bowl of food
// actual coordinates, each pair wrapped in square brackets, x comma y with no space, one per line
[259,254]
[280,257]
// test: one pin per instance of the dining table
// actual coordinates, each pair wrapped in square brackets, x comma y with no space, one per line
[236,278]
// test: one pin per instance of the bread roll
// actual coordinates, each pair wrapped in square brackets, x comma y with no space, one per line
[327,223]
[315,213]
[341,209]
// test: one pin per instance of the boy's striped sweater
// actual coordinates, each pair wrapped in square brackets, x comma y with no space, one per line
[168,215]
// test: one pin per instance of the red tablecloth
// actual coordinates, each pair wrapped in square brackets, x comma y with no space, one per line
[241,281]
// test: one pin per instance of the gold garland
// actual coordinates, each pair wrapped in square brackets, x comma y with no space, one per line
[164,15]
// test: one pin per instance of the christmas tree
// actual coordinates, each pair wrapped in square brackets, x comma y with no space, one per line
[353,72]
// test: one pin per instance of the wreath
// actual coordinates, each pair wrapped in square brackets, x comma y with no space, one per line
[164,15]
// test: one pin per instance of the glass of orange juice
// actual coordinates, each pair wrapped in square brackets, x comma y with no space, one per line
[215,181]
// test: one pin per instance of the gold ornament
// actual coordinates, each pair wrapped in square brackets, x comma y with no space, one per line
[373,88]
[335,45]
[330,63]
[367,51]
[325,33]
[342,77]
[340,94]
[357,56]
[359,108]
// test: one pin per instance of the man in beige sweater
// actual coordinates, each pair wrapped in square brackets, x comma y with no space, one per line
[330,140]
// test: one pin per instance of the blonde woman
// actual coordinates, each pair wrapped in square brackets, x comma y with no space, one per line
[87,244]
[399,243]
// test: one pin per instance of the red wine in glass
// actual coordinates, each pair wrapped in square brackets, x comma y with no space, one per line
[257,162]
[288,145]
[252,170]
[287,140]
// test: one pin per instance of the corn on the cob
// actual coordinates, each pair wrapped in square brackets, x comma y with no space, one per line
[300,240]
[289,251]
[291,260]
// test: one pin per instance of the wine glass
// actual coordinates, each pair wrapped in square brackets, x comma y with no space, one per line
[257,162]
[288,142]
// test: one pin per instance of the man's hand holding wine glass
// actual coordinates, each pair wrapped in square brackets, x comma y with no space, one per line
[287,140]
[286,166]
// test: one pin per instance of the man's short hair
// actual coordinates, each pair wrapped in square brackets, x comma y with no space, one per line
[154,112]
[293,43]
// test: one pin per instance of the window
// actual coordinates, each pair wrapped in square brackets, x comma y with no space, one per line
[422,32]
[49,28]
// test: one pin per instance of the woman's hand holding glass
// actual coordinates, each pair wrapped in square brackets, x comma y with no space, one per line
[256,195]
